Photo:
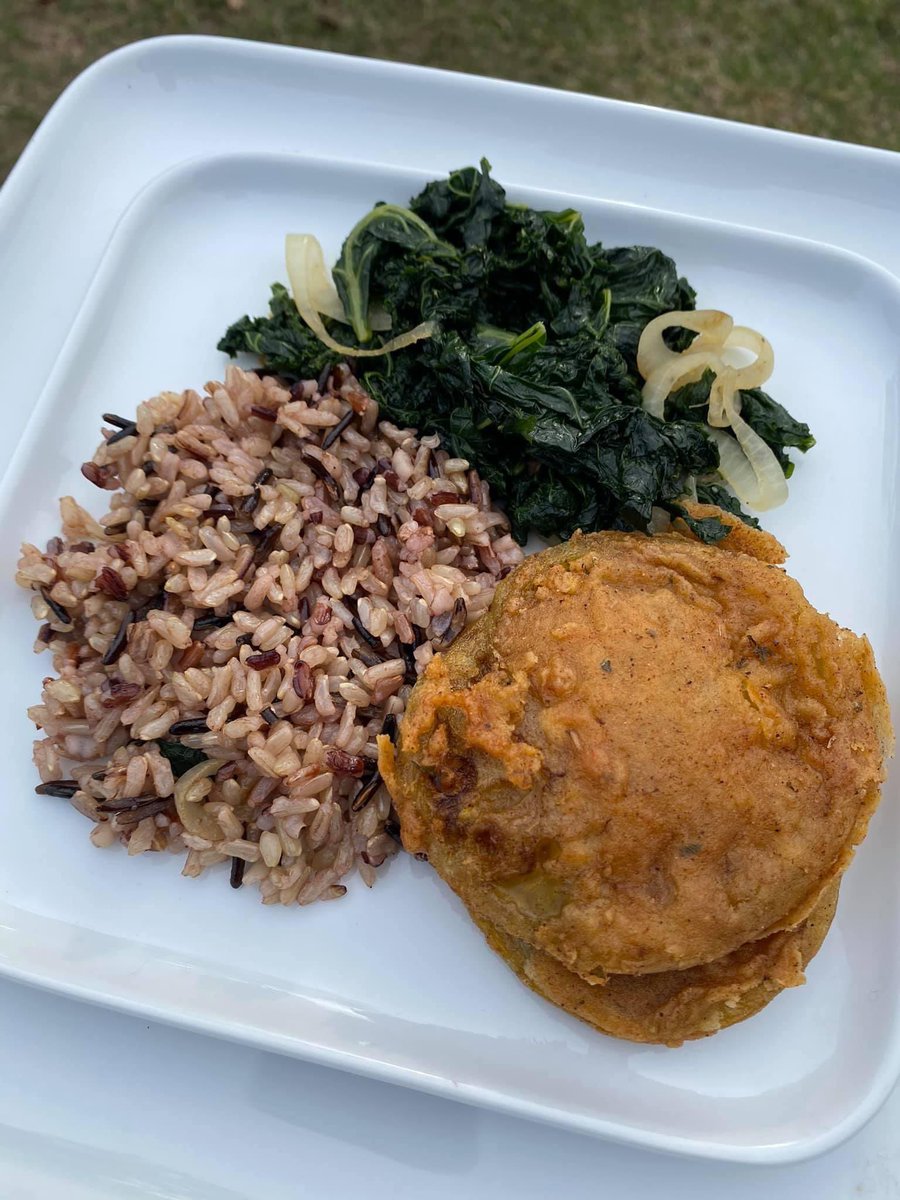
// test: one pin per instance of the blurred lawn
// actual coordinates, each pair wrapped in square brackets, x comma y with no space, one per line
[826,67]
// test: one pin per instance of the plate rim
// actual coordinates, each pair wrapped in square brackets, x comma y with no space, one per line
[211,43]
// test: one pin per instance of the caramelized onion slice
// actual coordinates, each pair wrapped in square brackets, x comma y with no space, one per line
[304,257]
[712,326]
[749,467]
[683,368]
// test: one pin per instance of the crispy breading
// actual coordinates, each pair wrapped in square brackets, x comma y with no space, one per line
[672,1007]
[647,753]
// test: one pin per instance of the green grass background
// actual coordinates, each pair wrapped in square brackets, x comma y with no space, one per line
[825,67]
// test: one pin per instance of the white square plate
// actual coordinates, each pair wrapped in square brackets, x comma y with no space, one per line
[397,983]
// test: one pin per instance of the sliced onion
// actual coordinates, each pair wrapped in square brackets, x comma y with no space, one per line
[757,372]
[734,466]
[749,467]
[683,368]
[722,403]
[323,294]
[746,463]
[192,812]
[712,326]
[303,254]
[772,485]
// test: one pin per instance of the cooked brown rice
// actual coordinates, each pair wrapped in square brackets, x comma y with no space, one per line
[275,567]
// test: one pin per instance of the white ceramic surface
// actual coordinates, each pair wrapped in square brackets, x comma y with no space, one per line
[367,984]
[102,1105]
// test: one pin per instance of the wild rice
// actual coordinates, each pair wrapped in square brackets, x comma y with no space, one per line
[275,568]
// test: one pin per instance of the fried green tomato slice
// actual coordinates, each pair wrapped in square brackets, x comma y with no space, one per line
[671,1007]
[647,753]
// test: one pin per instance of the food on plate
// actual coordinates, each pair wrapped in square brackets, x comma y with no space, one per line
[643,763]
[672,1007]
[647,753]
[275,565]
[746,463]
[574,375]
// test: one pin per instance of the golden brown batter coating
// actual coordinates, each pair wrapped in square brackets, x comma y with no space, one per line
[647,753]
[675,1006]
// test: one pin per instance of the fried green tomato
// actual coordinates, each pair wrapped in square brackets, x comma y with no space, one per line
[671,1007]
[648,752]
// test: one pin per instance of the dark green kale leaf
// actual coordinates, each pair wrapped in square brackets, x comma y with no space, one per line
[707,529]
[462,208]
[502,347]
[558,435]
[690,402]
[643,283]
[532,261]
[390,232]
[548,503]
[716,493]
[774,424]
[181,758]
[521,263]
[282,341]
[426,287]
